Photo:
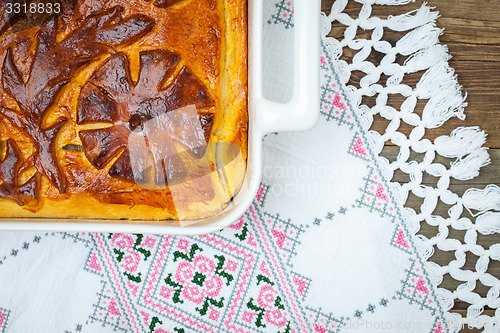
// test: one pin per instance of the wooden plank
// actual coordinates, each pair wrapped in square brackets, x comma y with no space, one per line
[473,52]
[469,31]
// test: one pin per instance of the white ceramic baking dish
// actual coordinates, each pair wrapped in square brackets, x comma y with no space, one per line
[265,116]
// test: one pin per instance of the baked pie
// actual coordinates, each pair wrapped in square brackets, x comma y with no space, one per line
[123,109]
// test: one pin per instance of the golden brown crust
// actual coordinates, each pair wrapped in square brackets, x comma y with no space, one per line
[74,89]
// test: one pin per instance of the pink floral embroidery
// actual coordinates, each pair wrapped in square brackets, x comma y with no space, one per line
[184,273]
[193,293]
[213,286]
[130,250]
[131,262]
[204,265]
[122,241]
[166,292]
[198,279]
[214,314]
[149,242]
[231,266]
[183,244]
[267,296]
[277,317]
[268,306]
[248,316]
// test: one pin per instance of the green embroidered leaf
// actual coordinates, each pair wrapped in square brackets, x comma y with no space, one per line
[208,302]
[278,304]
[244,233]
[220,272]
[254,307]
[154,321]
[145,252]
[178,288]
[119,254]
[192,252]
[261,278]
[260,313]
[136,279]
[179,330]
[138,240]
[139,249]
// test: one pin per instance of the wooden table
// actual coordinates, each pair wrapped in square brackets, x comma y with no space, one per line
[472,33]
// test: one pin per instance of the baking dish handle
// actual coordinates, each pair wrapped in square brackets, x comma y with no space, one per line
[302,112]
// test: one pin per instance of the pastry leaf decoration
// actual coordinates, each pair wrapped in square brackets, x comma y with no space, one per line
[9,177]
[52,68]
[112,98]
[166,3]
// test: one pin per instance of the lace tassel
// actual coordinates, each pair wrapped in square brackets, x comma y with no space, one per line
[439,84]
[468,167]
[462,141]
[465,144]
[418,39]
[482,200]
[411,20]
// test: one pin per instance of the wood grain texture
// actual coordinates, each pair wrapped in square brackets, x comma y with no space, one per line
[472,34]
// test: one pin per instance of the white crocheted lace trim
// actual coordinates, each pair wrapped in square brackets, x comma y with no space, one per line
[464,145]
